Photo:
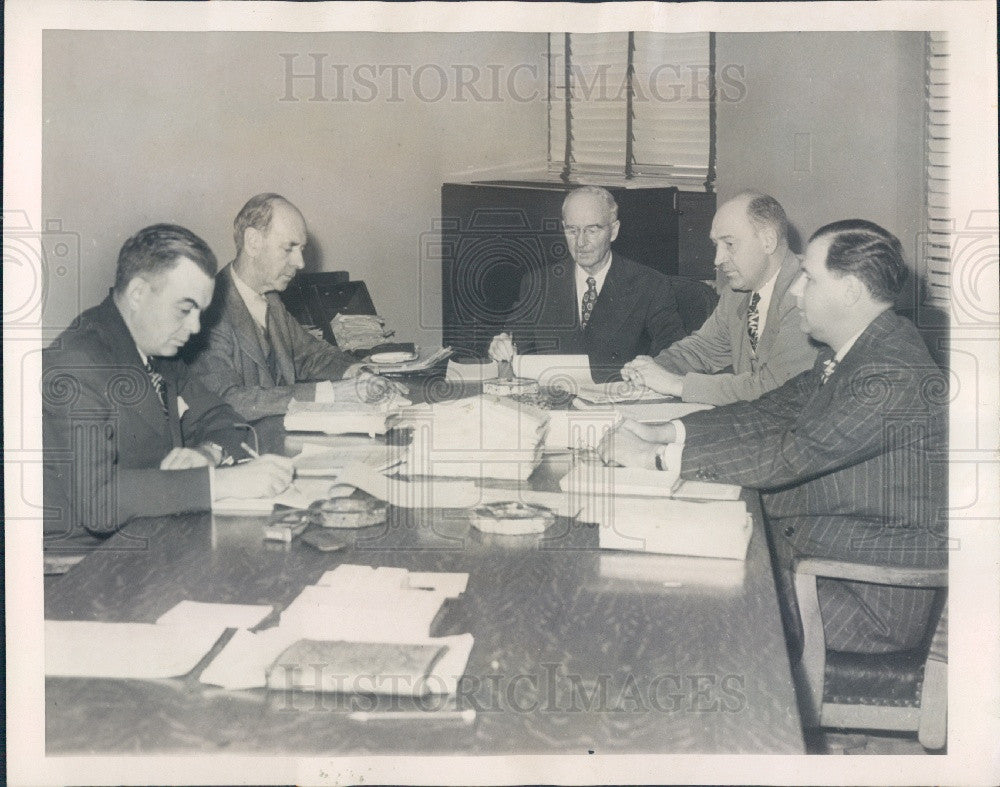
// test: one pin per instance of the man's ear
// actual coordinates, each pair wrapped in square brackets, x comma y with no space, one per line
[614,229]
[136,291]
[252,241]
[852,289]
[768,239]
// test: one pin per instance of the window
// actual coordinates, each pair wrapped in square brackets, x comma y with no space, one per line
[938,220]
[633,105]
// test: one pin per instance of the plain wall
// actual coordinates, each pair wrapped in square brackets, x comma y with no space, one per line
[858,97]
[149,127]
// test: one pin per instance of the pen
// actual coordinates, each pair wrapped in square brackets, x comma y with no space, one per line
[467,716]
[249,450]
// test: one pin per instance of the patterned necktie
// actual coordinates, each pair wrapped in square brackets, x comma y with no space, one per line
[828,367]
[753,320]
[269,354]
[589,299]
[158,384]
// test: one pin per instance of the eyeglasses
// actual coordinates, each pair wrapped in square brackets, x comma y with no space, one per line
[590,232]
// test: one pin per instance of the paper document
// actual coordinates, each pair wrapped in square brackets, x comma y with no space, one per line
[92,649]
[420,364]
[324,459]
[336,417]
[301,494]
[471,372]
[596,478]
[199,613]
[610,393]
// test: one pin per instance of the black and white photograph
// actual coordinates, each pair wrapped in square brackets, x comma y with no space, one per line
[501,393]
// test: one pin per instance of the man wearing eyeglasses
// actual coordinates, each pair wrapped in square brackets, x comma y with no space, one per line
[604,306]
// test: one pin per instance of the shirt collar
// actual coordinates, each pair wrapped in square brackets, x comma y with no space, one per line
[839,355]
[255,302]
[599,277]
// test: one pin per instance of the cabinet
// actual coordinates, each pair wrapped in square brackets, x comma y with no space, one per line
[493,232]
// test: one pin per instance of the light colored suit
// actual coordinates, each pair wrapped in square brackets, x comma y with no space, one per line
[855,469]
[783,349]
[230,360]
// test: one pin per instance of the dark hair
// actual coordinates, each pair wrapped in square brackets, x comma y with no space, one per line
[257,213]
[865,250]
[763,210]
[156,250]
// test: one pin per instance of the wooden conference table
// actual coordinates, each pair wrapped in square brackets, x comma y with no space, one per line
[569,656]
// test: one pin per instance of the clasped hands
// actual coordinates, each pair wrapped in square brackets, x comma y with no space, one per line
[644,371]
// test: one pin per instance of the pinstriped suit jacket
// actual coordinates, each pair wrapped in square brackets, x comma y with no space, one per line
[854,469]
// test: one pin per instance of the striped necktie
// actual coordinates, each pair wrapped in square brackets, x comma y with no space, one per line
[753,320]
[828,367]
[158,384]
[589,299]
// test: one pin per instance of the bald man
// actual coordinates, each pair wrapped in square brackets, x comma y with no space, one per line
[254,354]
[752,342]
[602,305]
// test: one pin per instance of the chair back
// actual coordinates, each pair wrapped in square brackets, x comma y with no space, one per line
[695,301]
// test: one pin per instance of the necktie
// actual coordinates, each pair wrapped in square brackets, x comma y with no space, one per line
[270,357]
[828,367]
[753,320]
[158,384]
[589,299]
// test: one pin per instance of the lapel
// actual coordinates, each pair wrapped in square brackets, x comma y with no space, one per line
[281,338]
[147,408]
[170,383]
[787,274]
[618,296]
[244,327]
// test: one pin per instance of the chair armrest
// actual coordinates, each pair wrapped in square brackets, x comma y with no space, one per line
[879,575]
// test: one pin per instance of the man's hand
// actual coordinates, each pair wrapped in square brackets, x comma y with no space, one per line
[184,459]
[373,388]
[651,433]
[643,370]
[623,447]
[266,476]
[502,348]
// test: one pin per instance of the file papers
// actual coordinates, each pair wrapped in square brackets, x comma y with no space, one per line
[301,494]
[369,626]
[199,613]
[643,411]
[92,649]
[717,528]
[327,460]
[337,417]
[422,363]
[594,478]
[567,372]
[477,437]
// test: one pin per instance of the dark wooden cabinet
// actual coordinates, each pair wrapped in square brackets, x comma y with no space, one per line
[493,232]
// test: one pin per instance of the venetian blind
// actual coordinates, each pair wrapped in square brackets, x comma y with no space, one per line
[632,105]
[939,223]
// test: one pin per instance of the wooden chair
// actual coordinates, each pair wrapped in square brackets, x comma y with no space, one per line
[904,691]
[695,301]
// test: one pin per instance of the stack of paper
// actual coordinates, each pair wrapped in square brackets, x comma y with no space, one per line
[717,528]
[359,331]
[422,363]
[301,494]
[478,437]
[326,459]
[353,606]
[590,478]
[337,417]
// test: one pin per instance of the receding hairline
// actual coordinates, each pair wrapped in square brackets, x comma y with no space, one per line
[604,198]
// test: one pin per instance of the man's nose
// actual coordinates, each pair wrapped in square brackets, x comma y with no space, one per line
[720,254]
[796,289]
[194,322]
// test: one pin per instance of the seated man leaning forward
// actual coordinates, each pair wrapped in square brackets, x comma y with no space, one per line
[128,431]
[604,306]
[850,456]
[253,353]
[752,342]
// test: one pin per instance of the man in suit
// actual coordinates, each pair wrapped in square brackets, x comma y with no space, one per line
[127,430]
[604,306]
[850,456]
[752,342]
[253,353]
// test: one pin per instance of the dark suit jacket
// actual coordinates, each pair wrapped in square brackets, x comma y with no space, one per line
[105,432]
[228,357]
[635,314]
[855,469]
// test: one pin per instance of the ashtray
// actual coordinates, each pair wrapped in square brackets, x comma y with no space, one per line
[350,512]
[511,518]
